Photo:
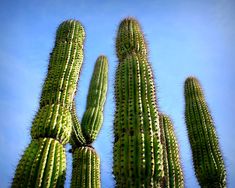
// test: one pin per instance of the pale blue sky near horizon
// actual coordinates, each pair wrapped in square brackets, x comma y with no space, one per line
[185,37]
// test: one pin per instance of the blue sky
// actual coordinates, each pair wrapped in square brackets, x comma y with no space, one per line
[185,37]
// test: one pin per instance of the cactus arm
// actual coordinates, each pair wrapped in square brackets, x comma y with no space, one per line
[207,157]
[172,166]
[77,137]
[93,116]
[86,163]
[43,163]
[136,116]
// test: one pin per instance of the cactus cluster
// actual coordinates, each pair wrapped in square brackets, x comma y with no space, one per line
[145,151]
[207,157]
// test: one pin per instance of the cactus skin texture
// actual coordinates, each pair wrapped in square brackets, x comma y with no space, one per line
[172,168]
[86,168]
[138,154]
[43,163]
[86,162]
[207,158]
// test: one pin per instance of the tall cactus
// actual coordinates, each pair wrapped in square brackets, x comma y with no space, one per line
[138,155]
[172,168]
[86,162]
[207,157]
[43,163]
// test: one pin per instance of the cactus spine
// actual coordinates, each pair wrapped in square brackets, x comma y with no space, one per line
[43,163]
[86,162]
[138,155]
[207,158]
[172,167]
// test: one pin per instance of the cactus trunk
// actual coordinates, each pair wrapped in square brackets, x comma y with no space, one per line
[172,167]
[137,145]
[44,161]
[86,162]
[207,158]
[86,168]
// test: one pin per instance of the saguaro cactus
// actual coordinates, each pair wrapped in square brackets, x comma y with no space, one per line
[207,157]
[172,168]
[86,162]
[138,155]
[44,161]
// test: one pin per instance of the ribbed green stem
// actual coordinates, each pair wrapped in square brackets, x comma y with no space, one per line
[207,157]
[65,64]
[86,163]
[137,152]
[77,138]
[93,116]
[86,168]
[172,168]
[43,163]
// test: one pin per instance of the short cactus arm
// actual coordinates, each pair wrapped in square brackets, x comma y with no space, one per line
[172,167]
[207,157]
[43,163]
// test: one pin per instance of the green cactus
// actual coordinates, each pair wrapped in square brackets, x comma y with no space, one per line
[138,154]
[86,168]
[43,163]
[172,167]
[207,158]
[86,162]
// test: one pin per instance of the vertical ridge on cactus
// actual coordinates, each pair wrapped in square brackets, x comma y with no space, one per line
[86,162]
[43,163]
[172,168]
[207,158]
[136,118]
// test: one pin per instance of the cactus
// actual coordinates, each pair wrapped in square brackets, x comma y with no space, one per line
[43,163]
[86,168]
[138,155]
[207,158]
[172,167]
[86,162]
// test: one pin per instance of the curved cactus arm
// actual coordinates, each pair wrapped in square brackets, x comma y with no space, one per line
[136,118]
[43,163]
[77,138]
[93,116]
[207,158]
[86,168]
[173,171]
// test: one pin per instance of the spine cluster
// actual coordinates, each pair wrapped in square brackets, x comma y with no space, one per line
[207,158]
[44,162]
